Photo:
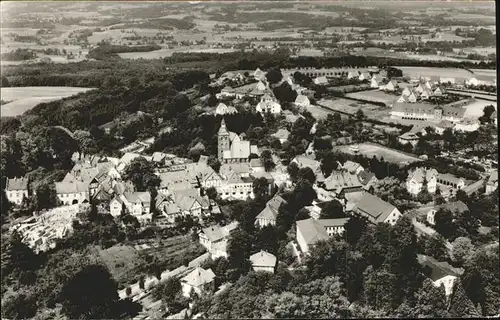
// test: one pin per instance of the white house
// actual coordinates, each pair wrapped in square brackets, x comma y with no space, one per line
[364,76]
[310,231]
[390,86]
[282,135]
[441,273]
[353,74]
[415,181]
[374,83]
[72,192]
[137,204]
[199,280]
[268,104]
[16,190]
[224,109]
[455,207]
[409,138]
[263,261]
[302,101]
[215,238]
[321,81]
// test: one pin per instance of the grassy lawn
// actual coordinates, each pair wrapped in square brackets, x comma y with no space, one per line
[371,111]
[369,150]
[374,96]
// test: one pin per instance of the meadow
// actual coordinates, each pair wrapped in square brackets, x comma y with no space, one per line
[369,150]
[415,72]
[374,96]
[26,98]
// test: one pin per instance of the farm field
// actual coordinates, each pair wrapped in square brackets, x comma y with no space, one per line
[318,113]
[369,150]
[415,72]
[374,96]
[23,99]
[163,53]
[351,107]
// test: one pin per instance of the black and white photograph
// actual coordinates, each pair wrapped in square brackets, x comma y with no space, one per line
[256,159]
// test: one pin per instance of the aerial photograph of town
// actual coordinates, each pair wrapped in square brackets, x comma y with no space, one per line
[249,160]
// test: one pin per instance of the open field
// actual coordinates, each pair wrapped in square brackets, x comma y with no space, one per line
[319,113]
[475,109]
[163,53]
[369,150]
[351,107]
[25,98]
[374,96]
[415,72]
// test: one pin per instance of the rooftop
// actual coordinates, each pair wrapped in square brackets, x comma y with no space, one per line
[373,208]
[199,277]
[263,259]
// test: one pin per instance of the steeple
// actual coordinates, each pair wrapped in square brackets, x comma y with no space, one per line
[223,129]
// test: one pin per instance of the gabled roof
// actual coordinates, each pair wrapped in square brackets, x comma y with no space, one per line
[373,208]
[351,166]
[455,206]
[315,230]
[419,173]
[281,134]
[216,232]
[136,197]
[339,180]
[270,212]
[439,269]
[199,277]
[263,259]
[301,99]
[365,177]
[17,184]
[66,187]
[409,136]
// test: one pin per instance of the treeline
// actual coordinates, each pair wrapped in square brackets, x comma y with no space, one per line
[106,51]
[19,55]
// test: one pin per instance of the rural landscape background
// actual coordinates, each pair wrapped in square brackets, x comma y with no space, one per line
[154,153]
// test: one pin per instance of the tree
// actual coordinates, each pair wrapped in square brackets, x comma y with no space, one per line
[326,258]
[460,304]
[462,249]
[306,174]
[332,210]
[274,75]
[45,197]
[167,290]
[20,304]
[354,228]
[329,163]
[430,301]
[90,293]
[360,114]
[142,174]
[380,289]
[267,160]
[214,163]
[17,258]
[435,247]
[444,222]
[211,193]
[284,93]
[293,171]
[260,188]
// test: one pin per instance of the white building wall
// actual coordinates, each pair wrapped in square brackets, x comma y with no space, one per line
[16,196]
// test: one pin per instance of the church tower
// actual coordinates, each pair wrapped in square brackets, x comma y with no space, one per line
[223,142]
